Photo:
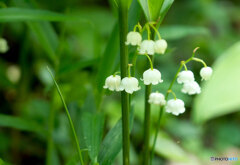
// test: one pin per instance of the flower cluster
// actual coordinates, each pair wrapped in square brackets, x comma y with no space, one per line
[149,47]
[145,47]
[153,76]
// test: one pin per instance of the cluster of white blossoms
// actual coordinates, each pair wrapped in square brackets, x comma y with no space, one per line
[150,76]
[149,47]
[190,86]
[3,45]
[114,83]
[153,76]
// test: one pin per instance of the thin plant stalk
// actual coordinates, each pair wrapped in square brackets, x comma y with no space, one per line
[69,118]
[183,64]
[147,115]
[123,29]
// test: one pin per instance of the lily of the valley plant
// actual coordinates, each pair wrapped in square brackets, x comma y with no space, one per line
[152,76]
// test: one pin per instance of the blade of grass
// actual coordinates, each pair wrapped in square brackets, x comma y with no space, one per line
[13,14]
[69,117]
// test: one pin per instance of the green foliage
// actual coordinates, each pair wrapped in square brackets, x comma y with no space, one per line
[24,14]
[108,59]
[151,8]
[169,149]
[92,125]
[112,143]
[220,95]
[46,37]
[21,124]
[178,32]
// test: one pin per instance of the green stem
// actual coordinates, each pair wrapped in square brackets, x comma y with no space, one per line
[156,31]
[69,118]
[199,60]
[147,124]
[150,61]
[134,60]
[147,115]
[161,111]
[123,29]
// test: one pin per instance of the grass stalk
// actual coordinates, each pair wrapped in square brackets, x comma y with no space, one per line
[123,29]
[69,118]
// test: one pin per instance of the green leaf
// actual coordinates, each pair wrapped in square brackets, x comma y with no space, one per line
[92,125]
[167,148]
[221,94]
[110,54]
[151,8]
[112,143]
[72,66]
[47,37]
[165,7]
[20,124]
[24,14]
[175,32]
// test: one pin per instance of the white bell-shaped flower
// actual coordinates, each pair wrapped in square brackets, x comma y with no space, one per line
[130,84]
[206,73]
[147,47]
[160,46]
[175,107]
[191,88]
[113,83]
[157,98]
[3,45]
[152,77]
[185,76]
[133,38]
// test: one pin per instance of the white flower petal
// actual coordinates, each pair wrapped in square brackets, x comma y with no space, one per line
[147,47]
[185,76]
[175,107]
[206,73]
[160,46]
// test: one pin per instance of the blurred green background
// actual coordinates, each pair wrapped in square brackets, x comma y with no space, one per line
[79,41]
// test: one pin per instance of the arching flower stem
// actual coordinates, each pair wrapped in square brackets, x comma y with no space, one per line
[150,61]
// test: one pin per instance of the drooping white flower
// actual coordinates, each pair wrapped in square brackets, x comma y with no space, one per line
[185,76]
[160,46]
[191,88]
[147,47]
[175,107]
[133,38]
[157,98]
[152,77]
[206,73]
[3,45]
[130,84]
[13,73]
[113,83]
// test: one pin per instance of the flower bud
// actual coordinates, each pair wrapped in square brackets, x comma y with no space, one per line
[113,83]
[3,45]
[191,88]
[175,107]
[185,76]
[130,84]
[206,73]
[147,47]
[160,46]
[133,38]
[157,98]
[152,77]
